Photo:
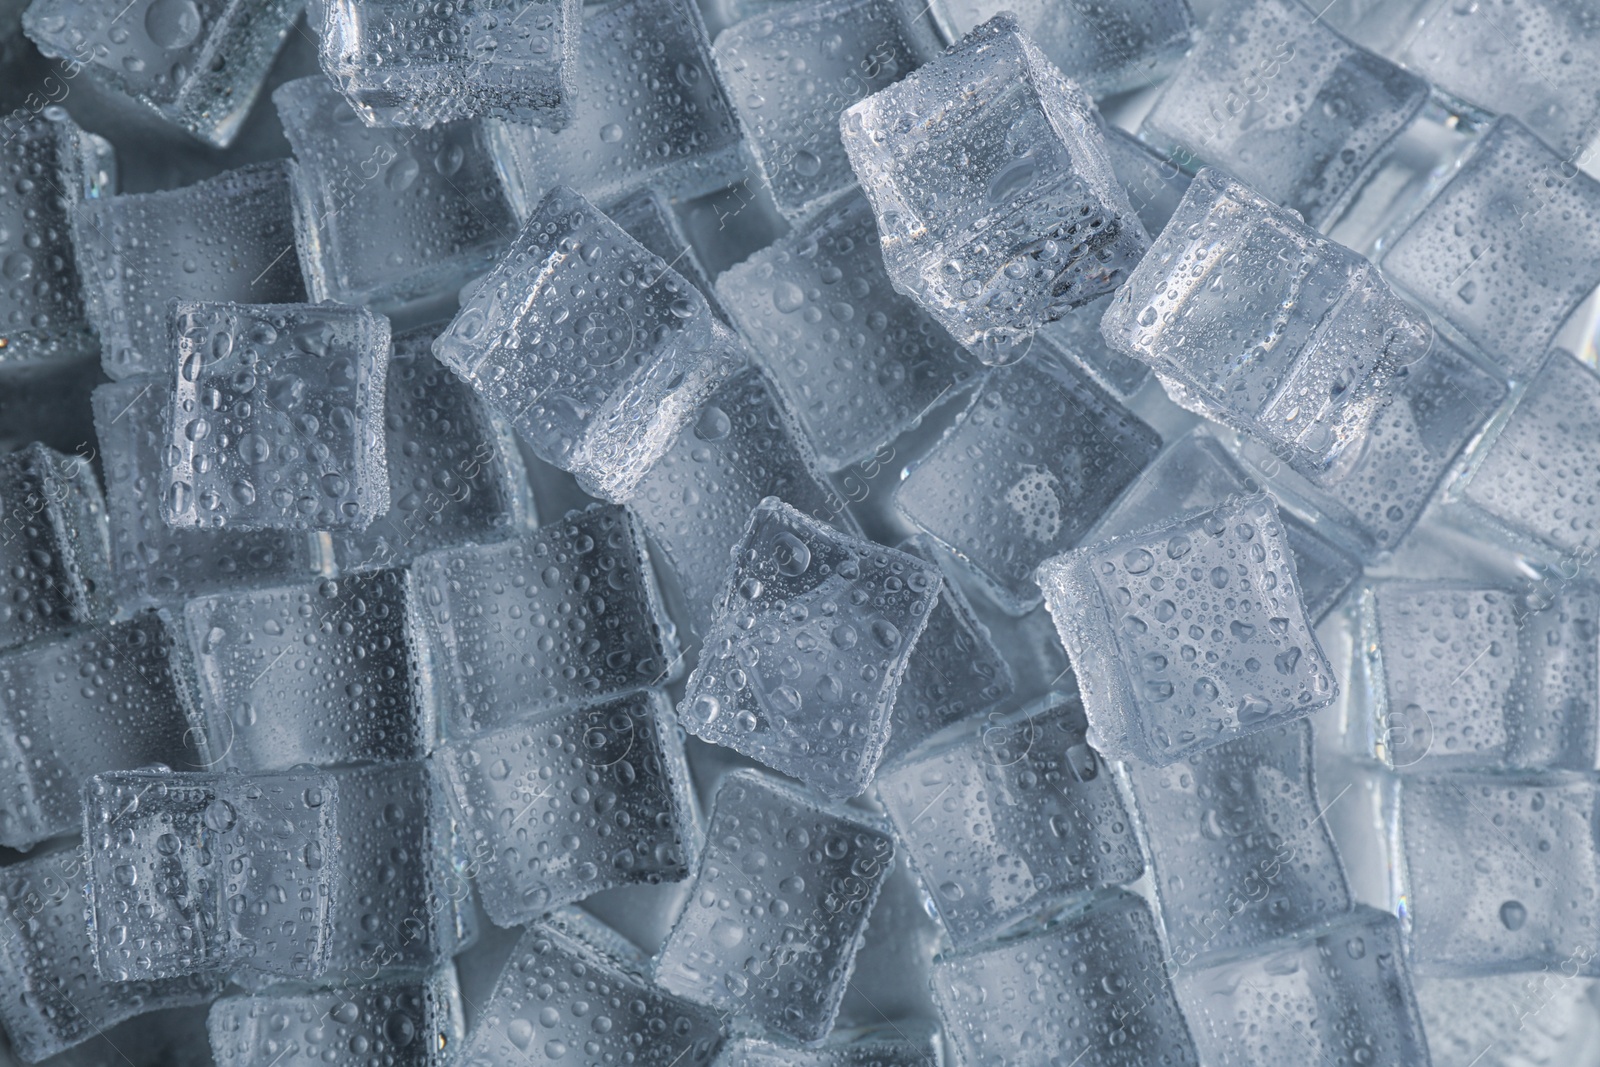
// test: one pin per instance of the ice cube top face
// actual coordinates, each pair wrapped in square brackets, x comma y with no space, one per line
[1035,459]
[559,993]
[230,237]
[1188,635]
[324,672]
[1496,869]
[1482,678]
[812,633]
[388,216]
[198,873]
[564,616]
[1240,850]
[1092,985]
[1508,249]
[1299,358]
[1275,96]
[52,544]
[858,362]
[996,202]
[791,72]
[573,802]
[277,417]
[198,63]
[779,904]
[400,65]
[1341,991]
[1014,814]
[46,958]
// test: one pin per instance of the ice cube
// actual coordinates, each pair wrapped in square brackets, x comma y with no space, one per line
[202,873]
[894,1044]
[996,201]
[399,65]
[649,219]
[1525,1019]
[1188,635]
[857,362]
[1508,249]
[783,892]
[1301,358]
[1039,453]
[1074,341]
[53,545]
[565,804]
[276,417]
[790,72]
[1155,184]
[594,349]
[580,592]
[1008,817]
[811,635]
[323,672]
[226,238]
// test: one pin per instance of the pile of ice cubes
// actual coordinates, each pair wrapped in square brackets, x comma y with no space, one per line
[800,533]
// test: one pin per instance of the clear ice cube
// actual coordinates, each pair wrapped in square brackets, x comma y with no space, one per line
[53,545]
[650,219]
[893,1044]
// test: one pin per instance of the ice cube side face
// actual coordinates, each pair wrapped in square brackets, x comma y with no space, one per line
[53,544]
[809,692]
[277,417]
[398,65]
[993,191]
[1508,249]
[1188,635]
[776,944]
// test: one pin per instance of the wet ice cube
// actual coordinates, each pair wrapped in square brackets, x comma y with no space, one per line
[565,804]
[195,873]
[580,592]
[790,73]
[594,349]
[1275,96]
[1188,635]
[399,65]
[225,238]
[774,940]
[1239,846]
[53,544]
[276,417]
[811,635]
[1039,453]
[895,1044]
[1508,249]
[1302,358]
[1091,985]
[322,672]
[1012,815]
[1540,1016]
[651,220]
[996,201]
[858,362]
[387,216]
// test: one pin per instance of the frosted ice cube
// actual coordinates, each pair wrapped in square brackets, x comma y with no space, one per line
[857,362]
[1239,846]
[1507,249]
[387,216]
[276,418]
[53,544]
[226,238]
[1188,635]
[811,635]
[400,65]
[1275,96]
[1091,985]
[323,672]
[743,446]
[782,895]
[1301,358]
[571,802]
[579,591]
[121,710]
[1476,677]
[1009,816]
[195,873]
[996,201]
[594,349]
[790,72]
[1039,453]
